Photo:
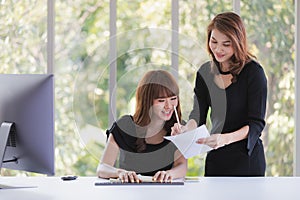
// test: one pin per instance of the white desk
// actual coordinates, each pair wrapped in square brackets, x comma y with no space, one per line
[217,188]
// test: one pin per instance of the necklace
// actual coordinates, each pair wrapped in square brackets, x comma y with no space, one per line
[222,72]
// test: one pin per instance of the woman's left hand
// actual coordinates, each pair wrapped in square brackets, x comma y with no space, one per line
[162,176]
[215,141]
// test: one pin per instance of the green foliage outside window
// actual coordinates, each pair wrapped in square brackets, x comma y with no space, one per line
[143,41]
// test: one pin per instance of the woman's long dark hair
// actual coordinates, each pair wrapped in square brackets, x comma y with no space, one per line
[154,84]
[231,24]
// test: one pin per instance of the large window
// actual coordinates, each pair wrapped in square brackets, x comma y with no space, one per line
[271,30]
[94,38]
[23,36]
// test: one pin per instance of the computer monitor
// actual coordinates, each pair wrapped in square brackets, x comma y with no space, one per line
[27,122]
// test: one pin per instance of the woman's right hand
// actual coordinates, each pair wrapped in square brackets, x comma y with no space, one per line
[129,176]
[177,129]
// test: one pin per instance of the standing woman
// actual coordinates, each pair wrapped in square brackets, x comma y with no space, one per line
[136,143]
[234,87]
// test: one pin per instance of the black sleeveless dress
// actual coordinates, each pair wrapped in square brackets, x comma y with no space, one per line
[156,157]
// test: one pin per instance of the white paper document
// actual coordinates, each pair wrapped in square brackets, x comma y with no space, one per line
[186,142]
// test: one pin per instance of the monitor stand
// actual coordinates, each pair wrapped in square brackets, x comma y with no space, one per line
[7,137]
[7,129]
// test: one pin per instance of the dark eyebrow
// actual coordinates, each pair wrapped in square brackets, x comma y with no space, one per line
[227,41]
[165,97]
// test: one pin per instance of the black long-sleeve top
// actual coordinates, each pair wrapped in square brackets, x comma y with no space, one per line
[241,103]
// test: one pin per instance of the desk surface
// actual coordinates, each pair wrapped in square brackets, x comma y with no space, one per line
[212,188]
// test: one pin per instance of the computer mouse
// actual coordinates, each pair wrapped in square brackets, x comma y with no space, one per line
[69,178]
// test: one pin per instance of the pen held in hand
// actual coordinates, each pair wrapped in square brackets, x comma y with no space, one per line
[177,118]
[176,114]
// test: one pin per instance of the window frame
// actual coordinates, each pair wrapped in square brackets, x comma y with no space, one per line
[174,61]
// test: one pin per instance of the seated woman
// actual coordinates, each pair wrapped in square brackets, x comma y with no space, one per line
[139,141]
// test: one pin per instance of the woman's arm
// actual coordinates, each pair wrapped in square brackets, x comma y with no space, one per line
[179,168]
[106,167]
[219,140]
[257,98]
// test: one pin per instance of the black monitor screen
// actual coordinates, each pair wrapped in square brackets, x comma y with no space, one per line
[27,110]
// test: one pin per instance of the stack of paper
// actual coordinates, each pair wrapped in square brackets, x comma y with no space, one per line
[186,142]
[145,178]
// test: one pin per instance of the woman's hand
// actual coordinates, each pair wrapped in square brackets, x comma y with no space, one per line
[129,176]
[162,176]
[177,129]
[218,140]
[215,141]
